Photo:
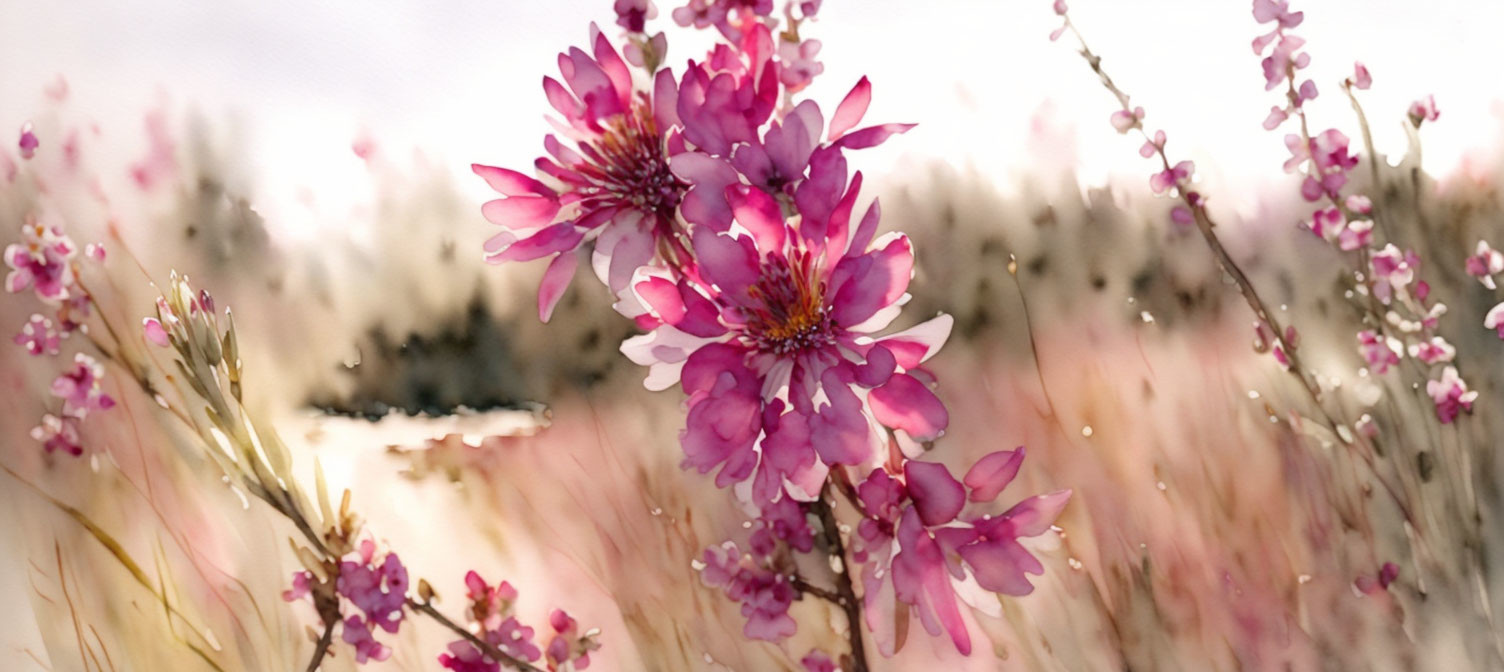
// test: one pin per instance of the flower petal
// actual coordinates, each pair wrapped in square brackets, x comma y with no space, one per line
[555,280]
[992,473]
[938,496]
[851,109]
[905,403]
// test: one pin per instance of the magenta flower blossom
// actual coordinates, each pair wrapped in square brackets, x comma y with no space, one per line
[1380,352]
[491,610]
[1450,394]
[731,17]
[1423,110]
[43,260]
[782,520]
[817,661]
[1393,271]
[59,434]
[798,67]
[1356,235]
[28,143]
[38,336]
[1269,11]
[1125,120]
[380,591]
[1277,116]
[1485,263]
[79,388]
[1178,176]
[1434,351]
[568,648]
[919,550]
[1495,319]
[613,188]
[357,633]
[1361,79]
[633,15]
[765,595]
[770,335]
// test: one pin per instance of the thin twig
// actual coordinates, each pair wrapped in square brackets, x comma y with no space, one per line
[845,592]
[485,647]
[322,648]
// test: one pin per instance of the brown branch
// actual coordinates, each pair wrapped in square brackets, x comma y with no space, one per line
[804,586]
[487,648]
[322,647]
[845,592]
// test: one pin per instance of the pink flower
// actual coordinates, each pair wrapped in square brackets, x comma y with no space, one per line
[491,613]
[1277,116]
[1369,585]
[380,591]
[1450,394]
[1327,223]
[1329,150]
[614,187]
[1356,235]
[1177,176]
[783,520]
[462,656]
[1380,353]
[300,586]
[1485,263]
[1125,120]
[1434,351]
[154,332]
[1495,319]
[816,660]
[1154,146]
[1359,203]
[1060,8]
[634,14]
[1266,11]
[1182,216]
[731,17]
[357,633]
[798,64]
[1361,79]
[42,260]
[38,336]
[1393,271]
[765,595]
[28,142]
[915,545]
[79,388]
[770,334]
[1285,57]
[568,648]
[59,434]
[1307,91]
[1423,110]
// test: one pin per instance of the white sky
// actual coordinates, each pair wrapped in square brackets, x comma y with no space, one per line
[461,83]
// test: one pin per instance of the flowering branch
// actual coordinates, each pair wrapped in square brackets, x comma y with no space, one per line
[1194,210]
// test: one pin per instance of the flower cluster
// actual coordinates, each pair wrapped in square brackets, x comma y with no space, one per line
[495,623]
[1405,320]
[722,216]
[46,261]
[919,547]
[376,589]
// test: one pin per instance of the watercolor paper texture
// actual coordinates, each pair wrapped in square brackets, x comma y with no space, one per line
[751,335]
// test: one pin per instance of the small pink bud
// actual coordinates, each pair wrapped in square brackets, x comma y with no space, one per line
[152,329]
[1361,78]
[29,142]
